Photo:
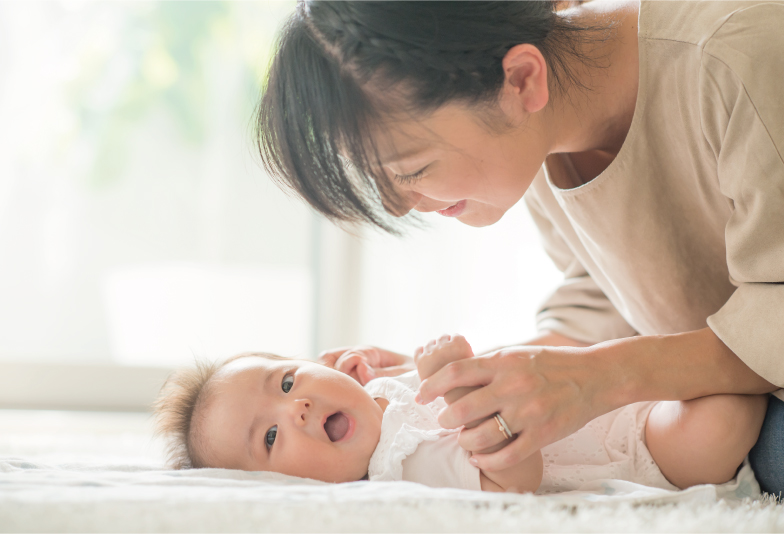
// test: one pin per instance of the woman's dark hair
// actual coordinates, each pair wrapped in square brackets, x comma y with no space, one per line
[340,67]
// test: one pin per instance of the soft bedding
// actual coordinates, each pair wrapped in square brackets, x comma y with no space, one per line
[104,472]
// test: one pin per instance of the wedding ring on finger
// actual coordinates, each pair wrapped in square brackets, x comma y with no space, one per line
[502,426]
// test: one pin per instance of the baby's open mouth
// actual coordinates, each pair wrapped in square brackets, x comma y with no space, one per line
[336,426]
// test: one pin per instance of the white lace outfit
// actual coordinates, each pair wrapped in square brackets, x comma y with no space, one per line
[414,447]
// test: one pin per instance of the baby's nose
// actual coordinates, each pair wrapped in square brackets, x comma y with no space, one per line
[302,411]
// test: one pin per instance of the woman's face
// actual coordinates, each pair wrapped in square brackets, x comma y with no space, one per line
[453,163]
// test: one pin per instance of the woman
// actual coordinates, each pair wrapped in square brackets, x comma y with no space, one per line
[648,141]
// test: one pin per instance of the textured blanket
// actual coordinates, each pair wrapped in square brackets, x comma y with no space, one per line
[103,472]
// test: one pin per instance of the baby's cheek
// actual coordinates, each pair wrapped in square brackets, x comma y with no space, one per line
[327,464]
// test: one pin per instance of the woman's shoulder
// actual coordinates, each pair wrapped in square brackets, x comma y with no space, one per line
[707,22]
[750,42]
[735,46]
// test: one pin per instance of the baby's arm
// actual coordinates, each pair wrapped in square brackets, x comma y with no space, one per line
[704,440]
[522,477]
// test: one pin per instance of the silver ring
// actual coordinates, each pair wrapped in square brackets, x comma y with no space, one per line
[502,426]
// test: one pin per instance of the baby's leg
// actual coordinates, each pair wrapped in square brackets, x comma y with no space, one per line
[437,354]
[704,440]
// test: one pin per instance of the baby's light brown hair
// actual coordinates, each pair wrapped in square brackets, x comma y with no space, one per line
[180,406]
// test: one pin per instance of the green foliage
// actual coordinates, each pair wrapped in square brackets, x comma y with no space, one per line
[157,59]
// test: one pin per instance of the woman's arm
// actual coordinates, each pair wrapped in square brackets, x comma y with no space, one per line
[676,367]
[548,339]
[548,393]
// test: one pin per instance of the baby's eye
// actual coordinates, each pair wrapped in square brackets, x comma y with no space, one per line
[272,433]
[288,383]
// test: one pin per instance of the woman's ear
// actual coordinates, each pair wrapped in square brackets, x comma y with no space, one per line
[525,73]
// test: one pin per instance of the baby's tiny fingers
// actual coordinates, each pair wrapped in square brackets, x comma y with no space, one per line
[329,357]
[348,361]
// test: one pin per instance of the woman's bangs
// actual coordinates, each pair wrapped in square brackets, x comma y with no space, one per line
[315,139]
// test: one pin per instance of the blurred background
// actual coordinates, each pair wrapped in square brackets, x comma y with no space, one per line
[138,231]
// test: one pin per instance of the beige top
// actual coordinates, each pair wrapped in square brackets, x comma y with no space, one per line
[685,228]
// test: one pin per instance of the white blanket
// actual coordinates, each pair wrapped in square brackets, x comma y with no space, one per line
[101,472]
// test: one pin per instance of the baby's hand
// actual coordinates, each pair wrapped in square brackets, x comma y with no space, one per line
[364,363]
[440,352]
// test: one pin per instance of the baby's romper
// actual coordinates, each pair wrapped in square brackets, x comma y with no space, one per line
[414,447]
[611,447]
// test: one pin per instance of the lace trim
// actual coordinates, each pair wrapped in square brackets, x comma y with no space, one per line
[405,425]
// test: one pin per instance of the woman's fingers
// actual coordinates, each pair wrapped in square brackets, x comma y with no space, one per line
[481,437]
[466,372]
[518,450]
[478,404]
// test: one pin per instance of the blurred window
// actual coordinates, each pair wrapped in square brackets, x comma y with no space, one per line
[136,225]
[138,229]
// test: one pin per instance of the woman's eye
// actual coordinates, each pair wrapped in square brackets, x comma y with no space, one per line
[288,382]
[269,439]
[411,178]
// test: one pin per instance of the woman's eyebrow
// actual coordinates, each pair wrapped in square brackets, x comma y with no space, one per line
[409,154]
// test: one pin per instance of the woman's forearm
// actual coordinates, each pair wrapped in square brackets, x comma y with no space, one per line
[672,367]
[549,339]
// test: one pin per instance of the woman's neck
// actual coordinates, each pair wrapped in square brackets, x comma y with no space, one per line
[595,114]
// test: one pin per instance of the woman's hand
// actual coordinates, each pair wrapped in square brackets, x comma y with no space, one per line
[434,356]
[363,363]
[543,393]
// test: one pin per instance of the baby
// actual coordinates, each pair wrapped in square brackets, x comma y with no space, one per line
[261,412]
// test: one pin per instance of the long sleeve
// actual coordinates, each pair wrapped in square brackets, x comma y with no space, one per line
[742,112]
[578,308]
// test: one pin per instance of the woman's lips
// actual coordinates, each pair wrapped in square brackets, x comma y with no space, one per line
[454,210]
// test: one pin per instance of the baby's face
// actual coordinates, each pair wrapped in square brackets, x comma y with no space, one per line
[290,416]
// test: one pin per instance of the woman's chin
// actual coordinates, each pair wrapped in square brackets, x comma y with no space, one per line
[478,220]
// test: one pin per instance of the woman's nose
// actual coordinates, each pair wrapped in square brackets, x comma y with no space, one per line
[301,411]
[426,204]
[409,201]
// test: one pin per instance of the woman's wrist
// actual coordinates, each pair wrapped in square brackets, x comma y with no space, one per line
[546,338]
[618,370]
[670,367]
